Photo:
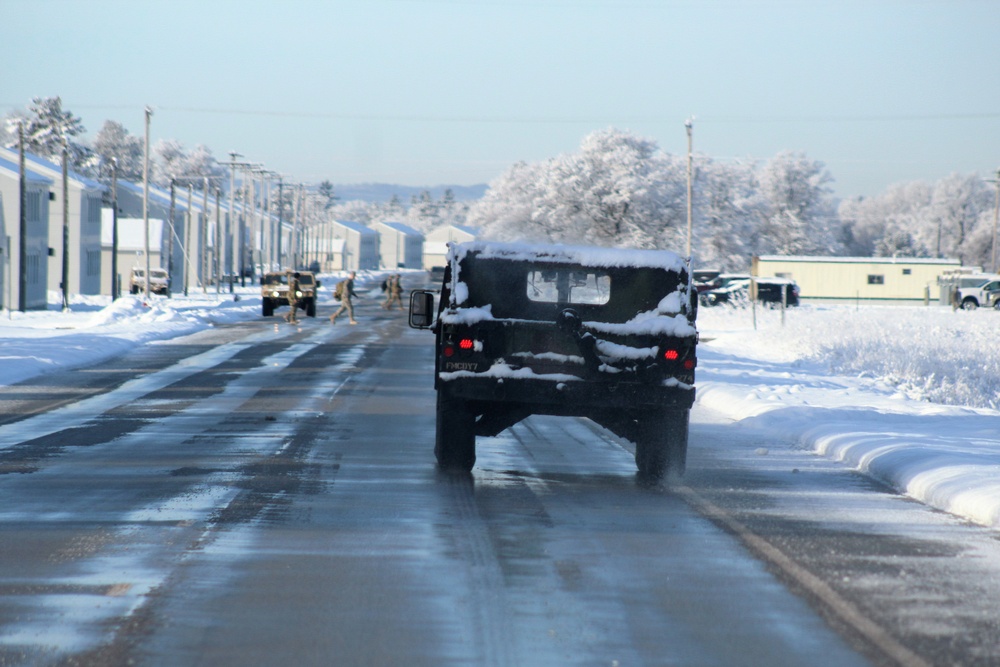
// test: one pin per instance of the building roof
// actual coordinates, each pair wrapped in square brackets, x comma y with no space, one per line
[446,232]
[48,168]
[15,170]
[859,260]
[401,228]
[355,226]
[161,197]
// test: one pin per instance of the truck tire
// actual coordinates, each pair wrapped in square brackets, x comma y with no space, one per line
[311,307]
[267,308]
[455,436]
[970,303]
[661,445]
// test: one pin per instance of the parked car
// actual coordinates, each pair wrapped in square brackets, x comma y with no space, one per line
[703,278]
[720,281]
[771,291]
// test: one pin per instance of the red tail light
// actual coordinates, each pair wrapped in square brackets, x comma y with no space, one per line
[465,343]
[448,350]
[689,364]
[671,355]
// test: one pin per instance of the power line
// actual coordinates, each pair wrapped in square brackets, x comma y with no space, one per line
[552,120]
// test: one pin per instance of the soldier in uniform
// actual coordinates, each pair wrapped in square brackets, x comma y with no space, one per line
[293,300]
[346,294]
[394,291]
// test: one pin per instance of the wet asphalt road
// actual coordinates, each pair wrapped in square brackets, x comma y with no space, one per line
[264,494]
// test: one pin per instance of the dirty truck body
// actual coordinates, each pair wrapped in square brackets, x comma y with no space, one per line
[567,331]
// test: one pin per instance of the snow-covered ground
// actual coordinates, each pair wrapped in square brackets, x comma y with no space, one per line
[909,395]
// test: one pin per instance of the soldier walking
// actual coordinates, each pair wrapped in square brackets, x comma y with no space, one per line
[293,299]
[394,291]
[345,288]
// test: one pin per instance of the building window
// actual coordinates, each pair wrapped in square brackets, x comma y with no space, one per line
[33,206]
[34,275]
[783,274]
[93,262]
[876,279]
[94,211]
[907,272]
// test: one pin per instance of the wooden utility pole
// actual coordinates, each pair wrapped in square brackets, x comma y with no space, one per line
[64,285]
[22,250]
[689,125]
[116,290]
[145,199]
[996,214]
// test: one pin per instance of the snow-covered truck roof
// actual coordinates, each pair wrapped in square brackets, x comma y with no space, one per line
[568,254]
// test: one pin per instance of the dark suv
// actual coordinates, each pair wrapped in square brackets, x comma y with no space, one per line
[770,291]
[570,331]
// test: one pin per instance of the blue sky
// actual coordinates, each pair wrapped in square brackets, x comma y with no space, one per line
[425,92]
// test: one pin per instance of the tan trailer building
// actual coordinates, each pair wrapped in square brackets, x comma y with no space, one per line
[886,279]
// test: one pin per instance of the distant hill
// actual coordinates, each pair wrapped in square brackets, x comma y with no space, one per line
[383,192]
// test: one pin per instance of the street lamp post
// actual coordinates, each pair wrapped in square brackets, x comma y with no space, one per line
[203,237]
[170,235]
[115,287]
[218,240]
[145,197]
[187,242]
[996,214]
[22,243]
[64,285]
[689,126]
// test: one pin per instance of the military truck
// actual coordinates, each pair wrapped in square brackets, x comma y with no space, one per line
[522,330]
[159,281]
[274,292]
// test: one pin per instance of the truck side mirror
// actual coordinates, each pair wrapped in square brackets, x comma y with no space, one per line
[421,309]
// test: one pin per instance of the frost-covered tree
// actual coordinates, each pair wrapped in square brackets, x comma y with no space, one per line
[890,224]
[509,211]
[9,127]
[949,218]
[728,205]
[172,161]
[956,206]
[46,126]
[325,189]
[114,141]
[799,213]
[616,191]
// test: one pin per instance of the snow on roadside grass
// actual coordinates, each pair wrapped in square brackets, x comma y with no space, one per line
[95,329]
[927,353]
[904,395]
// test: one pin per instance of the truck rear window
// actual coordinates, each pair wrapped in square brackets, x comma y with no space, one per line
[569,286]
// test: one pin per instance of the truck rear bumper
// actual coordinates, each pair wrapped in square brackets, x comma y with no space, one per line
[544,396]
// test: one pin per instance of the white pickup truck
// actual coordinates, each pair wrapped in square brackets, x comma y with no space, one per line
[971,292]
